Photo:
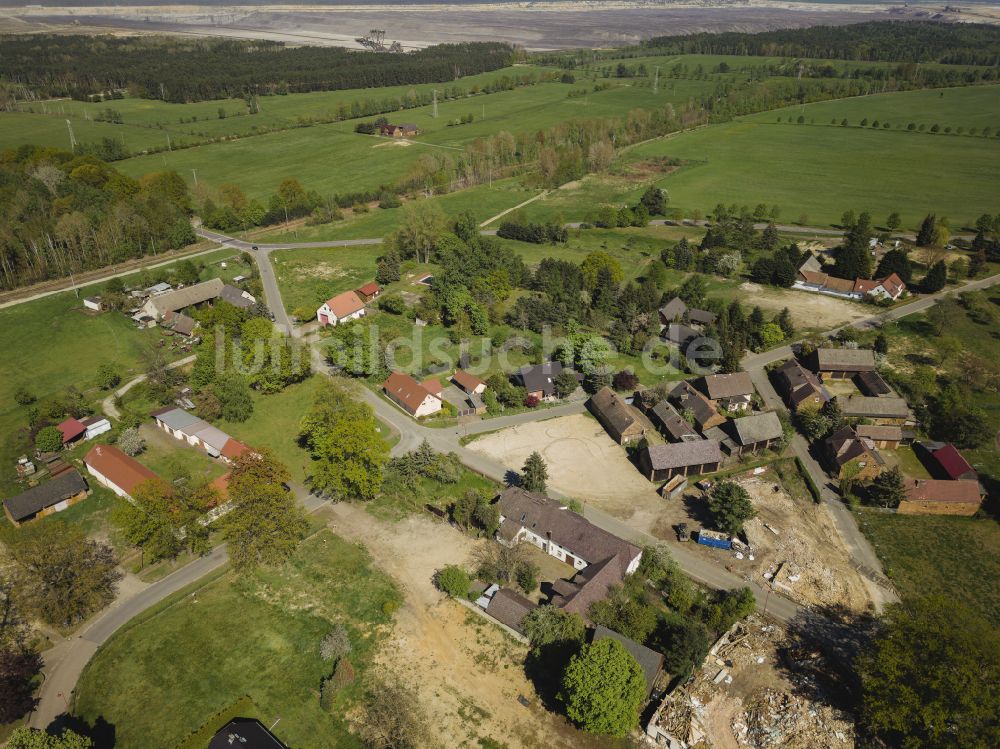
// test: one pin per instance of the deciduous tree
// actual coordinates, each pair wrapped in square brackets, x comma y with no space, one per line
[603,689]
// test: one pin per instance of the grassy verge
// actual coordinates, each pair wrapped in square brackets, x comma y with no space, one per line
[256,637]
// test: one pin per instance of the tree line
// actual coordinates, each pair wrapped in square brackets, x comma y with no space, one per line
[876,41]
[62,213]
[180,70]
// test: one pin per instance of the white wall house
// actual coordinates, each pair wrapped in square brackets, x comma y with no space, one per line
[341,308]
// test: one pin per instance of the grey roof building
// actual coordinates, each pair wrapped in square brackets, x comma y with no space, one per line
[538,379]
[173,301]
[672,424]
[673,310]
[510,608]
[237,297]
[843,362]
[27,505]
[889,407]
[176,418]
[649,661]
[661,462]
[757,428]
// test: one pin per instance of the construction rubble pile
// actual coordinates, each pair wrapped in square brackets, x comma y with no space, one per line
[739,699]
[774,719]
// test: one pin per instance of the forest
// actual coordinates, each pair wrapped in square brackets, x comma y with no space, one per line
[181,70]
[61,213]
[876,41]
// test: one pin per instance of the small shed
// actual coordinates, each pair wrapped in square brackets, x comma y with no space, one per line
[93,303]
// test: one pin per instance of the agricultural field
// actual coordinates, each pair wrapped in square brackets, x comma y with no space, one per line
[194,656]
[835,168]
[928,555]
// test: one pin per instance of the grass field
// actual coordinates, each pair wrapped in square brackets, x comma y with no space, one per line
[308,277]
[50,344]
[256,636]
[817,172]
[927,555]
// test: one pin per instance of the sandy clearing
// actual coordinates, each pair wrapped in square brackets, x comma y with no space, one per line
[583,463]
[468,673]
[401,143]
[813,311]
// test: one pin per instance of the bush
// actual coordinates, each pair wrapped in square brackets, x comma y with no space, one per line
[23,396]
[394,305]
[49,440]
[531,401]
[389,200]
[625,381]
[336,645]
[453,580]
[131,442]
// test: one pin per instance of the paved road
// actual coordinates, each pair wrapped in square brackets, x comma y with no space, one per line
[65,662]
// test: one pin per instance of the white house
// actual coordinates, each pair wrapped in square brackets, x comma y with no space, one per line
[560,532]
[341,308]
[417,399]
[116,470]
[95,425]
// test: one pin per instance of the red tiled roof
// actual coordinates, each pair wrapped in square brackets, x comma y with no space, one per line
[952,462]
[233,449]
[346,304]
[369,289]
[124,472]
[934,490]
[71,429]
[406,391]
[466,381]
[432,385]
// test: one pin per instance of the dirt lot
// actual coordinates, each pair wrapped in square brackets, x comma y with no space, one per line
[809,311]
[468,673]
[800,559]
[757,703]
[583,463]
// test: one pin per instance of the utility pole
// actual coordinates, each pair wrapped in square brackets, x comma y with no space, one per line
[656,80]
[72,138]
[195,173]
[163,96]
[435,112]
[169,147]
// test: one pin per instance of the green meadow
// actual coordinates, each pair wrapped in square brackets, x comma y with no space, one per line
[255,637]
[815,172]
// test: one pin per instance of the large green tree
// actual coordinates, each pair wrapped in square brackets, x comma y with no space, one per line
[730,506]
[343,438]
[265,525]
[603,689]
[931,678]
[33,738]
[60,575]
[534,474]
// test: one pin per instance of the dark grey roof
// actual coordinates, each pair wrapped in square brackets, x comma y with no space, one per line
[800,383]
[682,454]
[680,334]
[844,359]
[675,426]
[872,383]
[244,733]
[509,607]
[236,297]
[65,485]
[757,428]
[673,310]
[649,660]
[690,399]
[700,316]
[886,407]
[172,301]
[542,516]
[538,378]
[726,385]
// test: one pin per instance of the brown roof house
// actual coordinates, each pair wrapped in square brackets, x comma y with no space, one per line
[471,384]
[733,392]
[510,608]
[369,291]
[842,363]
[941,497]
[662,462]
[671,424]
[341,308]
[55,495]
[560,532]
[116,470]
[688,398]
[798,386]
[850,454]
[887,410]
[885,437]
[413,397]
[620,420]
